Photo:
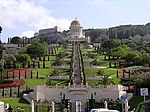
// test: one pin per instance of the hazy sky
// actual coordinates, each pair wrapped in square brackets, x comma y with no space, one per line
[24,17]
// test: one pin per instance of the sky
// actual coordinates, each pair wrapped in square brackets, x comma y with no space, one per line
[24,17]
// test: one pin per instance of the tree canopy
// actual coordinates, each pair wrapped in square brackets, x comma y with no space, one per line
[9,58]
[120,51]
[37,49]
[110,44]
[23,58]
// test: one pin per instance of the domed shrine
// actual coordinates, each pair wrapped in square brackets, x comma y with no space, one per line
[76,33]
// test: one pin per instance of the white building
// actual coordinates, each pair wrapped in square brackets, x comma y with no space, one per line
[76,33]
[76,93]
[46,32]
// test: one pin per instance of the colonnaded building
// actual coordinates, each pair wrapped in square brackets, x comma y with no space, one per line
[76,33]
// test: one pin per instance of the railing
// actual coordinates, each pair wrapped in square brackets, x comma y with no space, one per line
[78,86]
[61,87]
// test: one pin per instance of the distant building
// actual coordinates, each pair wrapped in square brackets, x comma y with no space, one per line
[46,32]
[11,48]
[76,33]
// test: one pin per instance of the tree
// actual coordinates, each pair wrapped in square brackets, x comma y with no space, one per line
[1,66]
[95,62]
[57,62]
[55,73]
[49,82]
[105,80]
[64,44]
[145,58]
[110,44]
[102,38]
[23,58]
[120,51]
[133,57]
[61,55]
[90,55]
[1,50]
[37,49]
[9,59]
[100,72]
[86,45]
[15,40]
[23,50]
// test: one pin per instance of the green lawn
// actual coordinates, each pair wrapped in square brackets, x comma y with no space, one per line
[42,72]
[109,71]
[92,82]
[15,101]
[90,71]
[34,82]
[64,72]
[101,57]
[86,63]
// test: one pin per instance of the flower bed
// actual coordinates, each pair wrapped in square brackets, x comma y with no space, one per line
[22,71]
[15,83]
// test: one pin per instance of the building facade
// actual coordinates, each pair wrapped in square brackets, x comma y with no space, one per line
[76,33]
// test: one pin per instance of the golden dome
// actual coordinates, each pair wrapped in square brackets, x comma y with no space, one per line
[75,22]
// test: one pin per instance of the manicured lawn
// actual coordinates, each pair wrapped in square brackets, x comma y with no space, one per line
[34,82]
[47,64]
[86,63]
[109,71]
[59,50]
[92,82]
[42,72]
[64,72]
[15,101]
[90,71]
[101,57]
[87,50]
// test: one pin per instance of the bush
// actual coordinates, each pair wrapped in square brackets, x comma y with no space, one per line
[1,81]
[8,81]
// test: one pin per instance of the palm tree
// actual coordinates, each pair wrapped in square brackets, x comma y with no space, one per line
[90,55]
[55,73]
[105,80]
[100,72]
[57,62]
[49,82]
[95,62]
